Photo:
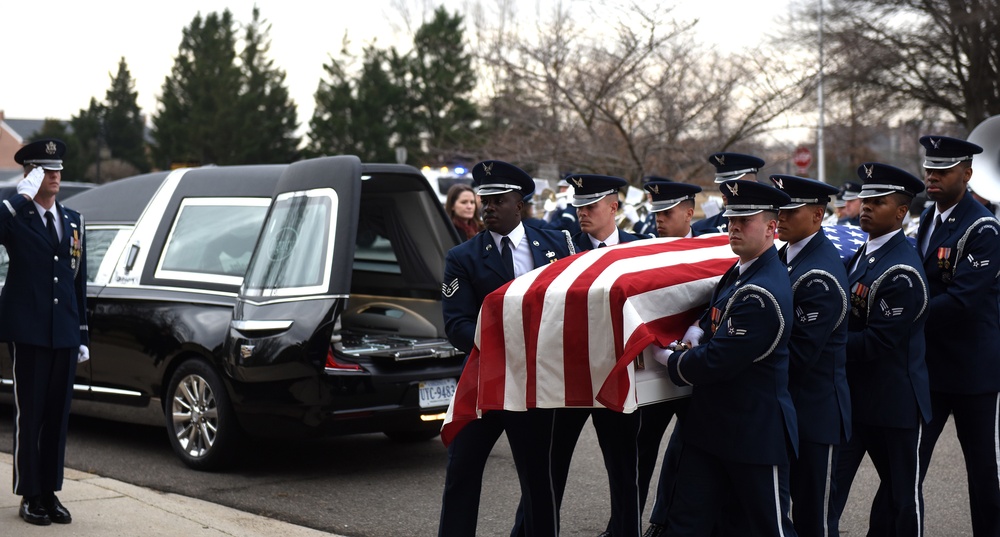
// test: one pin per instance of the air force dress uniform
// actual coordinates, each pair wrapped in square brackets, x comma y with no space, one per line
[817,351]
[474,269]
[43,314]
[741,420]
[728,167]
[616,432]
[961,257]
[886,371]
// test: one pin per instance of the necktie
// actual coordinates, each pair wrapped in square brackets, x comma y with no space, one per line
[783,254]
[50,224]
[507,254]
[859,260]
[602,245]
[931,233]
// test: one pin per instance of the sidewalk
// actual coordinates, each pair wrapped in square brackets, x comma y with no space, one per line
[105,507]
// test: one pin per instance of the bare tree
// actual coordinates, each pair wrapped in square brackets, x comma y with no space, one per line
[627,92]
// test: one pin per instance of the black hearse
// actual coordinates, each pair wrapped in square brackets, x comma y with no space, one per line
[268,300]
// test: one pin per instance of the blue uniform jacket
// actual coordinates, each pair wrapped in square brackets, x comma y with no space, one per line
[474,269]
[44,300]
[963,315]
[713,224]
[885,338]
[740,407]
[817,348]
[582,242]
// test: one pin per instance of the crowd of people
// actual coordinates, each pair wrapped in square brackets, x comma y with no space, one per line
[801,365]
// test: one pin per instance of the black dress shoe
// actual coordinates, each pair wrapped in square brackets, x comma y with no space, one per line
[655,530]
[57,513]
[33,513]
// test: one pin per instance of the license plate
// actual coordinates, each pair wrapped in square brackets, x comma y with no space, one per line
[436,392]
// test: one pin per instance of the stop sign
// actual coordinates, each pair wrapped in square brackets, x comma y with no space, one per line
[802,158]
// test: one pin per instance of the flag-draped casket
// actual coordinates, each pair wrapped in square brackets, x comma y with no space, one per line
[569,334]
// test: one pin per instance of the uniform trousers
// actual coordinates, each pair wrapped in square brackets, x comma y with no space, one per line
[897,507]
[617,435]
[529,435]
[811,485]
[978,432]
[668,471]
[707,483]
[43,390]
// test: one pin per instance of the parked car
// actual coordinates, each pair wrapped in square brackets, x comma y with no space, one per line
[269,300]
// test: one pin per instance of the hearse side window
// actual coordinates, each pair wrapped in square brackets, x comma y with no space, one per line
[98,241]
[212,239]
[295,256]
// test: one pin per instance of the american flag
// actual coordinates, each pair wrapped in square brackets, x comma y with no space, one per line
[847,239]
[567,335]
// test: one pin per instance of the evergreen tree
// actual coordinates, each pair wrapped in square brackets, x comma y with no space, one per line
[442,81]
[268,115]
[124,125]
[88,135]
[359,116]
[200,118]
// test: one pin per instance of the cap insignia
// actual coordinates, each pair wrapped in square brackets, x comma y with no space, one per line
[488,168]
[50,148]
[780,182]
[936,143]
[734,189]
[721,159]
[869,170]
[655,189]
[578,181]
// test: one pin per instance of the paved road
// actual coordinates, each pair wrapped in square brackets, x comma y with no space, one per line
[367,485]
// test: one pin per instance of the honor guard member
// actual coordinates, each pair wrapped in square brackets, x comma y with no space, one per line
[817,349]
[564,217]
[474,269]
[850,213]
[728,167]
[741,421]
[958,240]
[886,372]
[647,228]
[595,198]
[672,206]
[43,319]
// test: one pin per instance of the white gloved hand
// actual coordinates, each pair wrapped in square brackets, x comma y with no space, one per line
[31,183]
[693,335]
[84,354]
[630,213]
[561,203]
[661,354]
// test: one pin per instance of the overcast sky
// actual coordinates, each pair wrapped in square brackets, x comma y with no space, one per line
[60,53]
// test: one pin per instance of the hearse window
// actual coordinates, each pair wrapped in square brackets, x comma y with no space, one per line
[212,239]
[295,256]
[98,243]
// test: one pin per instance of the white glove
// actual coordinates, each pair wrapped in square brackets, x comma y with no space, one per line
[84,354]
[661,354]
[31,183]
[693,335]
[561,203]
[630,213]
